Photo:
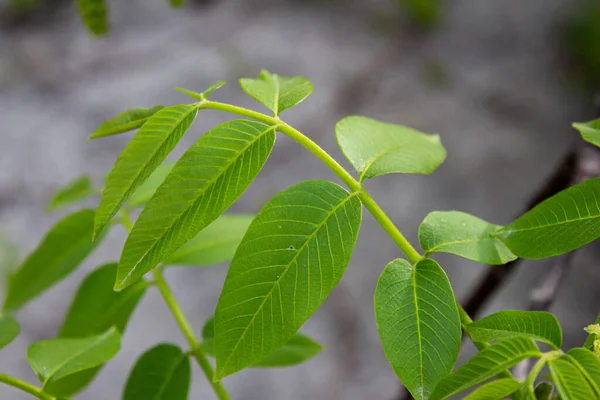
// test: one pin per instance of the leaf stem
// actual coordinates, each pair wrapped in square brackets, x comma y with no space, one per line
[530,380]
[411,253]
[196,347]
[26,387]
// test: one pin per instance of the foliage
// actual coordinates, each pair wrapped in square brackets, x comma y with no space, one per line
[286,260]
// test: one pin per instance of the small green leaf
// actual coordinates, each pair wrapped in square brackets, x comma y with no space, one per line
[144,193]
[495,390]
[558,225]
[161,373]
[146,151]
[464,235]
[544,391]
[298,349]
[63,249]
[537,325]
[9,330]
[570,383]
[206,181]
[54,359]
[78,189]
[418,323]
[94,15]
[215,244]
[590,131]
[204,95]
[294,253]
[377,148]
[127,121]
[275,92]
[589,342]
[589,366]
[486,364]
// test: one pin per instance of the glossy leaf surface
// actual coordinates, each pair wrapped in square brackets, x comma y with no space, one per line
[570,383]
[588,364]
[127,121]
[495,390]
[418,323]
[294,253]
[206,181]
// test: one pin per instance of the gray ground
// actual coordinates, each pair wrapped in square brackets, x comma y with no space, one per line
[503,115]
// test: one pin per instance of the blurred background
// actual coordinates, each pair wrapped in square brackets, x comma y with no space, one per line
[500,81]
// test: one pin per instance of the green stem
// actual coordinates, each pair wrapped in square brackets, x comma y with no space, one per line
[530,380]
[26,387]
[411,253]
[196,347]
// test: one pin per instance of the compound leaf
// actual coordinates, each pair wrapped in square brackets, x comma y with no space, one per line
[146,151]
[569,381]
[275,92]
[215,244]
[590,131]
[418,323]
[78,189]
[206,181]
[126,121]
[588,364]
[486,364]
[558,225]
[54,359]
[377,148]
[464,235]
[537,325]
[294,253]
[161,373]
[495,390]
[63,249]
[9,330]
[94,14]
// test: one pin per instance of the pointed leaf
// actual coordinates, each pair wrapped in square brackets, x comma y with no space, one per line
[204,95]
[298,349]
[486,364]
[537,325]
[558,225]
[496,390]
[161,373]
[127,121]
[544,391]
[94,15]
[376,148]
[590,131]
[73,192]
[9,330]
[418,323]
[63,249]
[589,366]
[146,151]
[206,181]
[464,235]
[57,358]
[215,244]
[144,193]
[294,253]
[570,383]
[275,92]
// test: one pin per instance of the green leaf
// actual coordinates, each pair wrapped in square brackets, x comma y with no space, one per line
[216,243]
[418,323]
[294,253]
[94,16]
[161,373]
[537,325]
[206,181]
[495,390]
[464,235]
[78,189]
[9,330]
[275,92]
[589,342]
[204,95]
[570,383]
[176,3]
[558,225]
[128,120]
[589,366]
[57,358]
[298,349]
[377,148]
[590,131]
[543,391]
[486,364]
[144,193]
[63,249]
[146,151]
